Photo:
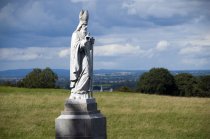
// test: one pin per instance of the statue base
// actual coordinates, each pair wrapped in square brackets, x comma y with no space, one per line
[80,120]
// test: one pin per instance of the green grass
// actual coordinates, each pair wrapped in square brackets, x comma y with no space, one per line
[30,114]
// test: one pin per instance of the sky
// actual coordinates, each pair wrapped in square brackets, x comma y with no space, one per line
[129,34]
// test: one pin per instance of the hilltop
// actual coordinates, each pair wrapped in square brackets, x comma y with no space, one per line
[129,115]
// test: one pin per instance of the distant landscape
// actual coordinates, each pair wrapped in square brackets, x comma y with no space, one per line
[20,73]
[112,78]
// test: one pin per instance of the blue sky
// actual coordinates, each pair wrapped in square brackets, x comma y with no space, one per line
[130,34]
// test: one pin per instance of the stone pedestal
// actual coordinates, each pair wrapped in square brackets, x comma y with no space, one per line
[80,120]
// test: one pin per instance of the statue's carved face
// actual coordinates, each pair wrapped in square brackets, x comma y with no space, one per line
[84,30]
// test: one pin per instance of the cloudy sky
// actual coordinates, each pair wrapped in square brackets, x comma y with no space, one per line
[130,34]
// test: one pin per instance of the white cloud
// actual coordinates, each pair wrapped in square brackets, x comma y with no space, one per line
[111,39]
[86,4]
[197,47]
[130,51]
[196,55]
[196,52]
[195,61]
[191,50]
[134,34]
[33,16]
[76,1]
[159,8]
[117,50]
[162,45]
[106,64]
[64,53]
[29,53]
[201,41]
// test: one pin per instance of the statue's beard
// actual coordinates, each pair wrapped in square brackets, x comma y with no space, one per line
[83,33]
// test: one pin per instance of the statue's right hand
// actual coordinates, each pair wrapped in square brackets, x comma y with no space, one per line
[84,42]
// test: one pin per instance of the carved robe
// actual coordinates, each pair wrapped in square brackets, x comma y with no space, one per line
[79,64]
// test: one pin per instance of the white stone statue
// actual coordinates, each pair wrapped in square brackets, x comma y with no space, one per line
[81,60]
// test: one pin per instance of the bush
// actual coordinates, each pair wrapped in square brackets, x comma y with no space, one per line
[124,89]
[157,81]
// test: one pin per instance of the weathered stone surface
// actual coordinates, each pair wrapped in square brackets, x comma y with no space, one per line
[82,106]
[80,121]
[80,118]
[77,126]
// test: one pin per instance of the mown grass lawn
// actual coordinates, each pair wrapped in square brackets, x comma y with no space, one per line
[30,114]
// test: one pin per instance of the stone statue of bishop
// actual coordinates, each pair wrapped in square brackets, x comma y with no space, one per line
[81,119]
[81,60]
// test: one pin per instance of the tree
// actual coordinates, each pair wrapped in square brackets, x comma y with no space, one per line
[39,79]
[48,78]
[157,81]
[32,80]
[186,84]
[204,85]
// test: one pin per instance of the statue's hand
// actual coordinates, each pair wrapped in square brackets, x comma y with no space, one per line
[92,40]
[84,42]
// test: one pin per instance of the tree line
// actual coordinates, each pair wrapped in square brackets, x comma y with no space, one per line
[161,81]
[155,81]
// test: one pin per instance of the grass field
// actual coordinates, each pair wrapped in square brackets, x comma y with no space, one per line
[30,114]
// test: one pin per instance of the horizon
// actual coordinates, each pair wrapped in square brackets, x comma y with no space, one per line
[118,69]
[130,35]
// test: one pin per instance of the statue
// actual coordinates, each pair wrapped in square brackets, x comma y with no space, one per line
[81,60]
[81,117]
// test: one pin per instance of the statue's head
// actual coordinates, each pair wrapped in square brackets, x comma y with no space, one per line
[83,16]
[83,19]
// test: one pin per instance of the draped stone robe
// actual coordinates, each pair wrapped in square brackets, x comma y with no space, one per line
[80,64]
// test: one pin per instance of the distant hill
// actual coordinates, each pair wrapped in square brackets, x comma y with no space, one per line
[20,73]
[193,72]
